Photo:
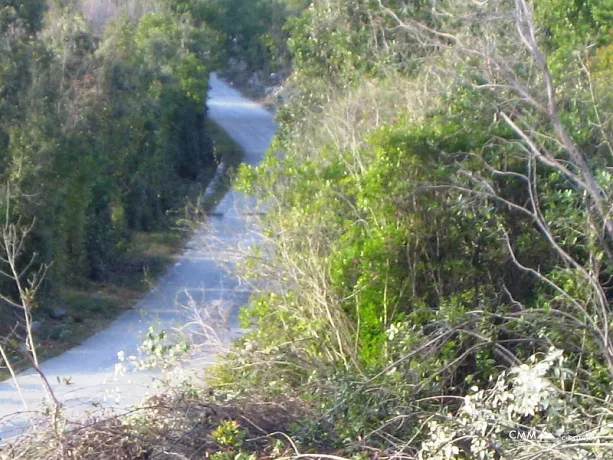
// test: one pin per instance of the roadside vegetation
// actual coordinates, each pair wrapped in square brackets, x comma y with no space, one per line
[437,252]
[104,143]
[88,306]
[434,279]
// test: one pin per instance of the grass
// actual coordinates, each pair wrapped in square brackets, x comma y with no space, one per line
[92,306]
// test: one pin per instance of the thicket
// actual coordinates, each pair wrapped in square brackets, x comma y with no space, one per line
[101,134]
[436,265]
[255,40]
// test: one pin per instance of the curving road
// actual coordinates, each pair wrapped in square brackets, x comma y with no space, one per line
[199,280]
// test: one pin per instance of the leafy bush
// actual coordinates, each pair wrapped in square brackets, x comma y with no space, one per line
[423,241]
[101,135]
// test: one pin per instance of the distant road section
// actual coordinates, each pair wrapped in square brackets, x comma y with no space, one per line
[84,378]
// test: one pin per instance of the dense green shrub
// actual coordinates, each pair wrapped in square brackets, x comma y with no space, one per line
[424,242]
[102,135]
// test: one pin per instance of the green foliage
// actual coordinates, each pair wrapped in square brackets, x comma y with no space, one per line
[229,434]
[18,14]
[251,30]
[320,50]
[419,245]
[101,136]
[571,24]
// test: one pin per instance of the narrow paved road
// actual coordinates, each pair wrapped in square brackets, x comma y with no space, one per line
[200,279]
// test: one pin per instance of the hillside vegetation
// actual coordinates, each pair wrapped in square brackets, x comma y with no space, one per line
[435,276]
[438,256]
[103,138]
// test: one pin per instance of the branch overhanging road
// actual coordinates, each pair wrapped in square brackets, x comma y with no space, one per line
[85,378]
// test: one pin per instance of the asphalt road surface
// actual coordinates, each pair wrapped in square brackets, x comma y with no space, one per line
[201,281]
